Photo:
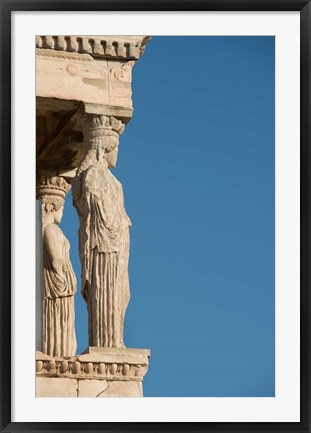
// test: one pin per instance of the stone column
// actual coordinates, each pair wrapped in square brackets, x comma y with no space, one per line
[103,233]
[59,281]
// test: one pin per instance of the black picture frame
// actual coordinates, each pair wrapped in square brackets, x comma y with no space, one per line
[7,7]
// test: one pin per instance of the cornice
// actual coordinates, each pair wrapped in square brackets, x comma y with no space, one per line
[110,47]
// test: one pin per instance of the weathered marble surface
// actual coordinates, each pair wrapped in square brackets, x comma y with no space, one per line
[88,69]
[59,337]
[99,372]
[128,47]
[84,78]
[77,75]
[103,234]
[84,101]
[56,387]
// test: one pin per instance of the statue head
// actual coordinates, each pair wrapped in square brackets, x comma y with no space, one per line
[102,136]
[52,208]
[51,190]
[112,156]
[111,151]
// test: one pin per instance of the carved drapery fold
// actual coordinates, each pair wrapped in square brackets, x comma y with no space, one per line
[59,337]
[103,234]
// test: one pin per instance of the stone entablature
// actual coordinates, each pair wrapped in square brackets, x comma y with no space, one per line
[126,47]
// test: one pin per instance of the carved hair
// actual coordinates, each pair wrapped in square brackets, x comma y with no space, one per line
[102,136]
[95,154]
[51,203]
[91,157]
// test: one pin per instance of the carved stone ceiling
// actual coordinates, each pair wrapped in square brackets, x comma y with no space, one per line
[59,142]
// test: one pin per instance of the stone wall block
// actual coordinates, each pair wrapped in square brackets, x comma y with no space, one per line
[56,387]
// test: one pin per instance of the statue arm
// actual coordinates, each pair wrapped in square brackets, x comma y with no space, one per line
[54,247]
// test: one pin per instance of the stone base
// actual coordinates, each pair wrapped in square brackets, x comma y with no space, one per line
[98,372]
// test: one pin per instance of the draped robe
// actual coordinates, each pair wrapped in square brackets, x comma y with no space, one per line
[58,299]
[104,252]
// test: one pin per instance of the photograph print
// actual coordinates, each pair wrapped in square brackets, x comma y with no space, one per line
[155,199]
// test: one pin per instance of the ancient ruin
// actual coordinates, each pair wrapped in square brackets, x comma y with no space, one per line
[83,94]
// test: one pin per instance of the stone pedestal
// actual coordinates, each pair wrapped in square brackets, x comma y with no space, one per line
[98,372]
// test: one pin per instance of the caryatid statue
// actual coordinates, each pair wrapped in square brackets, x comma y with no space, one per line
[59,336]
[103,233]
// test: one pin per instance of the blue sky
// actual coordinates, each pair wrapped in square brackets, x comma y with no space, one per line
[197,167]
